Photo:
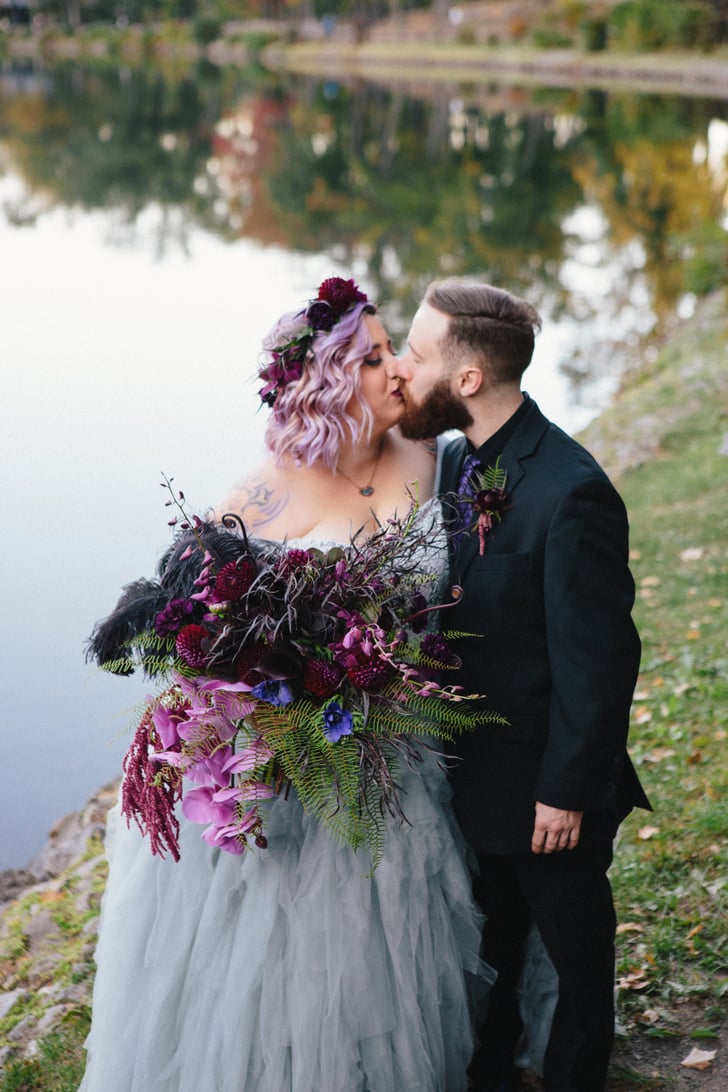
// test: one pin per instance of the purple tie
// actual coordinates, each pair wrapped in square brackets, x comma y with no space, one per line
[466,485]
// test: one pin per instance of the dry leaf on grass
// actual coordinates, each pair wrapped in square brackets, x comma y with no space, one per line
[699,1059]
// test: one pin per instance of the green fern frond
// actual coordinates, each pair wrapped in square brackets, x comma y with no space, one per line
[325,775]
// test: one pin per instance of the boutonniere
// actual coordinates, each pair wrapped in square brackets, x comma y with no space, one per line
[486,504]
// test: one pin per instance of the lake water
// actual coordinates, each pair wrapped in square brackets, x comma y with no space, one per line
[129,342]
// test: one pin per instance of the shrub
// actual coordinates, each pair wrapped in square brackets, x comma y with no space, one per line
[644,25]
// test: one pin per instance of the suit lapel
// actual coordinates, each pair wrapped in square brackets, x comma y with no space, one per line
[518,449]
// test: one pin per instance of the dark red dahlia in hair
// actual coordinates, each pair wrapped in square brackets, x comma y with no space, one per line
[340,294]
[192,643]
[233,580]
[322,678]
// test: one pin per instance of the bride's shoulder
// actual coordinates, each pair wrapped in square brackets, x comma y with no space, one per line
[260,499]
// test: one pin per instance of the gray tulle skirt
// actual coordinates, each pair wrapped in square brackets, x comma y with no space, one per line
[291,969]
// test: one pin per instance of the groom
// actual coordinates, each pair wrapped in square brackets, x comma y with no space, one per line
[545,607]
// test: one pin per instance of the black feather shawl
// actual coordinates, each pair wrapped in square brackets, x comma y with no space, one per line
[113,639]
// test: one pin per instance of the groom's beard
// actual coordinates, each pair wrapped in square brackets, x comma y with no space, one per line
[438,411]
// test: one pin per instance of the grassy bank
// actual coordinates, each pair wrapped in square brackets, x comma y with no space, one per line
[665,443]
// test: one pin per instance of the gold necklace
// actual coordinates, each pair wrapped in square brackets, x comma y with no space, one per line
[368,489]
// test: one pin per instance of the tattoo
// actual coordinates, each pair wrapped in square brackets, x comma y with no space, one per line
[430,446]
[260,503]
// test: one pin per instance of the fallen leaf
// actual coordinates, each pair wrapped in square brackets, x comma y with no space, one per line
[693,635]
[693,553]
[650,582]
[699,1059]
[659,754]
[630,927]
[647,832]
[642,715]
[636,980]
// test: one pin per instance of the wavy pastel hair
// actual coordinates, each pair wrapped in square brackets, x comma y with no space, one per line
[309,422]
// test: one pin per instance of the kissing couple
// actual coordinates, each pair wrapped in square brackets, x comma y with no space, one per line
[481,946]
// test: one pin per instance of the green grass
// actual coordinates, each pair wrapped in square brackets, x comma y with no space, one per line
[670,870]
[59,1063]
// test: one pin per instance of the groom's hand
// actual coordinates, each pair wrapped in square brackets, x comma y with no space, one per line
[555,829]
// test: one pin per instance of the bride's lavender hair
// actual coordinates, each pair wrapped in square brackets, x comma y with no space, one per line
[309,421]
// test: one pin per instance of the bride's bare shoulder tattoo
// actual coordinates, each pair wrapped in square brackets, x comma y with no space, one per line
[257,503]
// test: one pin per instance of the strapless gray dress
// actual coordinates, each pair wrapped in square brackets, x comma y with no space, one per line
[291,969]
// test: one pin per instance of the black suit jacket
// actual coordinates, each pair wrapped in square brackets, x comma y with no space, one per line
[555,649]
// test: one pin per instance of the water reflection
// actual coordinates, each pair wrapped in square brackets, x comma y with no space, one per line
[153,230]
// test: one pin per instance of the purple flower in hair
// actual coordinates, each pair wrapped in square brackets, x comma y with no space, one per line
[321,315]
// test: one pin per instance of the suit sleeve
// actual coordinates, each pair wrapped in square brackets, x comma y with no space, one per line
[593,648]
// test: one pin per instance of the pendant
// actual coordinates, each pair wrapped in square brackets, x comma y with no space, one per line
[366,491]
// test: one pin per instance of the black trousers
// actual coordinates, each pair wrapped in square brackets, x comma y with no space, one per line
[568,896]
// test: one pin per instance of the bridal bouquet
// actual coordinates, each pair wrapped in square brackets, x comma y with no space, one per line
[282,667]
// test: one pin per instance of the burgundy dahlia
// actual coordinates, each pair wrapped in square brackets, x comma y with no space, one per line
[192,642]
[322,678]
[233,580]
[370,674]
[292,561]
[341,294]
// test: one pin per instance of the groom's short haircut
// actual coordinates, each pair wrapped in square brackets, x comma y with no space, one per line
[498,329]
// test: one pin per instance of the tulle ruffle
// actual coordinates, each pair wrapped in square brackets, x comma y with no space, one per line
[291,969]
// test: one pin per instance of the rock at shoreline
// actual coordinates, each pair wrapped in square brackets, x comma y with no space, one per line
[48,924]
[67,840]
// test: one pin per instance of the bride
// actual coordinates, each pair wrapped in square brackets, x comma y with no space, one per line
[299,968]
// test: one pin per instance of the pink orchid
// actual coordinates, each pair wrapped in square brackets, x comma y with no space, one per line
[210,769]
[228,836]
[167,721]
[253,756]
[203,806]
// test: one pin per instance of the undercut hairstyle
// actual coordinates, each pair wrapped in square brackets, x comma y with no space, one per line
[309,422]
[487,323]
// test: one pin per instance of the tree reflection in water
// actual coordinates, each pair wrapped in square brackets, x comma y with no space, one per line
[602,208]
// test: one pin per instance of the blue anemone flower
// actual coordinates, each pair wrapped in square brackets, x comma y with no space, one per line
[338,722]
[274,691]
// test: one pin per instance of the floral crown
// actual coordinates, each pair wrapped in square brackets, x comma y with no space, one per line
[335,297]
